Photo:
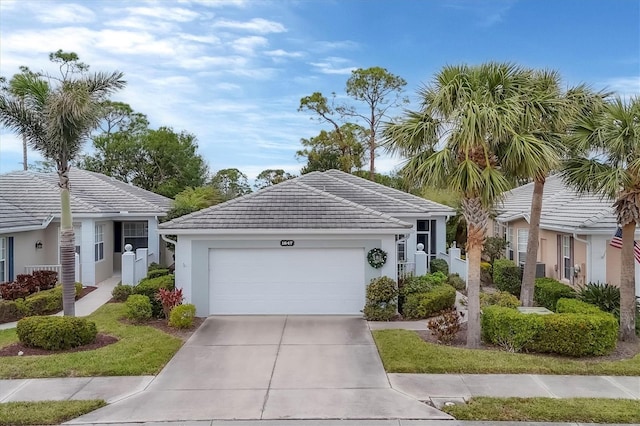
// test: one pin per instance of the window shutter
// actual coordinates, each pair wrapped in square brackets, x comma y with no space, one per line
[10,258]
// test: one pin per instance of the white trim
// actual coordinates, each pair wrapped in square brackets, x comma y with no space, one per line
[283,231]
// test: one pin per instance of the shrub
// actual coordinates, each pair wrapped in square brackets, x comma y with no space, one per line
[382,296]
[182,316]
[150,287]
[456,281]
[43,303]
[486,273]
[603,295]
[9,311]
[548,291]
[499,298]
[121,292]
[13,291]
[138,307]
[423,305]
[423,283]
[169,299]
[28,282]
[79,288]
[153,266]
[439,265]
[507,276]
[446,326]
[56,333]
[155,273]
[580,330]
[494,248]
[45,279]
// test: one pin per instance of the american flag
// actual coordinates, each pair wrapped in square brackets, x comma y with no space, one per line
[616,242]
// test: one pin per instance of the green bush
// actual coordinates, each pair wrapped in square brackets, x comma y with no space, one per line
[439,265]
[580,330]
[603,295]
[182,316]
[423,283]
[548,291]
[507,276]
[44,302]
[486,271]
[121,292]
[79,288]
[9,311]
[456,281]
[499,298]
[155,273]
[138,307]
[382,299]
[424,305]
[153,266]
[56,333]
[150,287]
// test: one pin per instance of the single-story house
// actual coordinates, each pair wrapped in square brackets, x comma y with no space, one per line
[107,214]
[575,233]
[302,246]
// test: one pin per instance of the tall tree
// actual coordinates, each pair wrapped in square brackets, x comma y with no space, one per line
[56,122]
[379,90]
[343,150]
[271,177]
[231,183]
[473,109]
[606,143]
[193,199]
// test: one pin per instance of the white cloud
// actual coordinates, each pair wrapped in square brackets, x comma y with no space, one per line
[333,66]
[626,87]
[142,24]
[64,14]
[205,39]
[177,14]
[216,3]
[10,142]
[280,53]
[258,25]
[335,45]
[248,45]
[221,63]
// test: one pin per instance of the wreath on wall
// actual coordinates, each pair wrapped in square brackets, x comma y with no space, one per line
[377,257]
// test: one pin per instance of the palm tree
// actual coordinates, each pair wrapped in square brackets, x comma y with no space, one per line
[56,120]
[468,112]
[606,141]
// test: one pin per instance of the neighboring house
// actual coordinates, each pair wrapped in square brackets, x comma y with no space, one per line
[107,214]
[575,232]
[300,247]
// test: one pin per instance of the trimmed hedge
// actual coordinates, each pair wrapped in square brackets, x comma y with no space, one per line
[578,330]
[138,307]
[439,265]
[150,286]
[155,273]
[423,284]
[121,292]
[56,333]
[182,316]
[548,291]
[499,298]
[424,305]
[507,276]
[382,299]
[456,281]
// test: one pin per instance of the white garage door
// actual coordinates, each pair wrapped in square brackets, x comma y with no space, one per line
[286,281]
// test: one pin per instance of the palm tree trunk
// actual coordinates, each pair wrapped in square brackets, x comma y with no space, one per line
[67,245]
[372,157]
[476,217]
[529,274]
[628,285]
[24,153]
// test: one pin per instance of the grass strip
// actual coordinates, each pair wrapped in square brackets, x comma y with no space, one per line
[403,351]
[141,350]
[583,410]
[45,412]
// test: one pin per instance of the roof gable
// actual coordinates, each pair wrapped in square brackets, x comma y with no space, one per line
[288,205]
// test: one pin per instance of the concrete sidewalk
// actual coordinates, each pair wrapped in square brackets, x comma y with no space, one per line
[89,303]
[345,423]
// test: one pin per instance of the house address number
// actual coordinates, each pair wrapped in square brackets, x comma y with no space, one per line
[286,243]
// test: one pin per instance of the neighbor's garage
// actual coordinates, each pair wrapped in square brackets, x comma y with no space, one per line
[286,281]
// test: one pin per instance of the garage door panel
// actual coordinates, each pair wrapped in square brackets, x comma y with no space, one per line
[286,281]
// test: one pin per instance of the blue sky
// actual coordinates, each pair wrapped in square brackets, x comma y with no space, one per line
[233,71]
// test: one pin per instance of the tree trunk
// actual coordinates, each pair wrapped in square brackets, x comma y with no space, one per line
[529,273]
[476,217]
[628,285]
[372,148]
[24,153]
[67,246]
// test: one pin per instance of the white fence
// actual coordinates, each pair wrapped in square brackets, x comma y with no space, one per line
[135,266]
[30,269]
[456,264]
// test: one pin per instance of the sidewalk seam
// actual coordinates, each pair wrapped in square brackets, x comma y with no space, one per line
[81,388]
[26,382]
[536,378]
[619,386]
[275,362]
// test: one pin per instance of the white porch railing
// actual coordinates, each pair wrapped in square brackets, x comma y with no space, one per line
[30,269]
[456,264]
[405,269]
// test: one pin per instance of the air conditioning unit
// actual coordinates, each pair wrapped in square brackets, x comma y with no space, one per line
[540,270]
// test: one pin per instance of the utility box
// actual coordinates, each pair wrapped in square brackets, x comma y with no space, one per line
[540,270]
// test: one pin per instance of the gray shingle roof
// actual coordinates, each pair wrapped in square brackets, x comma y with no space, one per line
[288,205]
[562,208]
[373,195]
[35,196]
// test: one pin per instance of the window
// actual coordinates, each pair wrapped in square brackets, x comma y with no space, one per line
[3,260]
[135,233]
[523,239]
[426,234]
[99,243]
[402,250]
[566,257]
[511,242]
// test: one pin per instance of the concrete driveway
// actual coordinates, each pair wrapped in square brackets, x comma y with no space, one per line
[271,367]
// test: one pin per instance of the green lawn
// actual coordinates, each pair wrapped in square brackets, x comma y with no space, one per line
[584,410]
[403,351]
[141,350]
[45,412]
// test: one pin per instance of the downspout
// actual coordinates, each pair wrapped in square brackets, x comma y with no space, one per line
[588,260]
[168,240]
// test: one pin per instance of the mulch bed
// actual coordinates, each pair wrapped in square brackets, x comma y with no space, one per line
[14,349]
[86,290]
[623,350]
